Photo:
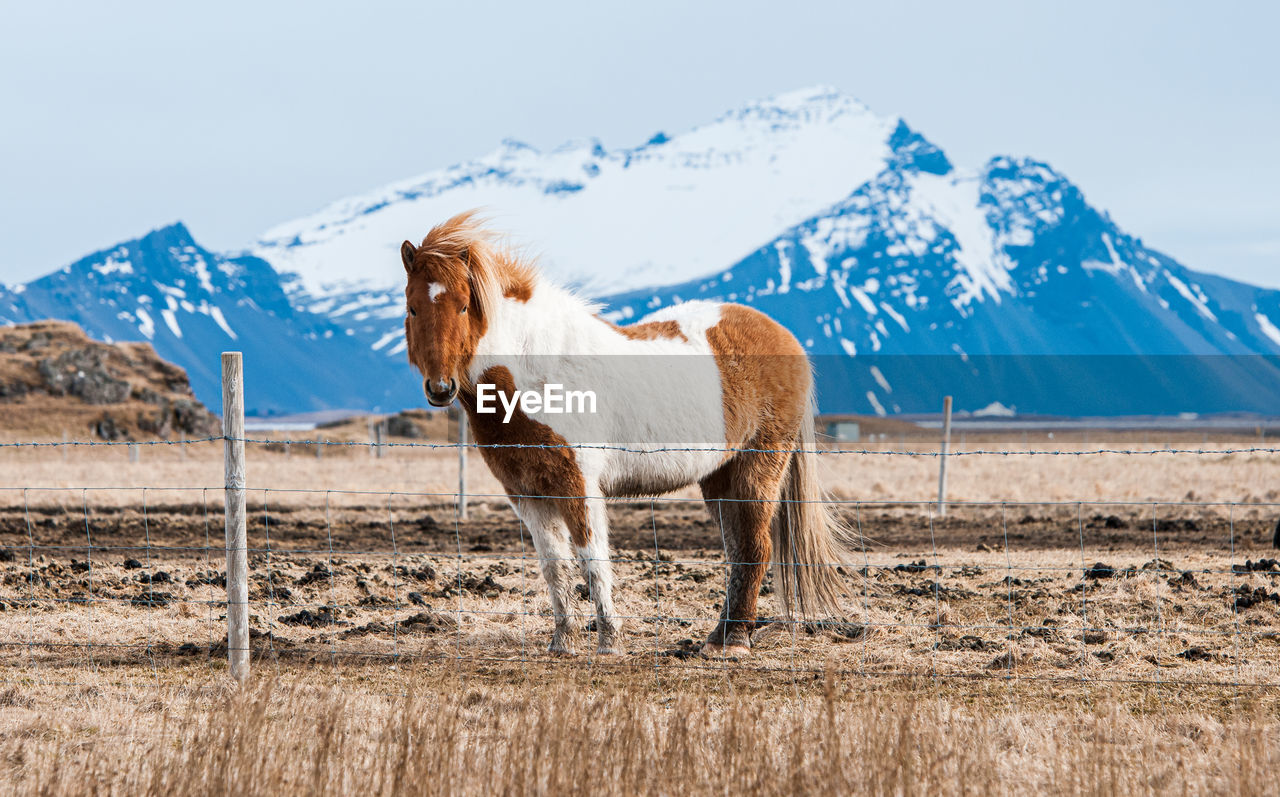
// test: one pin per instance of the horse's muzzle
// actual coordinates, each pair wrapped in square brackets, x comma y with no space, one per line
[441,398]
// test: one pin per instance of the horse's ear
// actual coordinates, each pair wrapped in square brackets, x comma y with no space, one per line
[407,253]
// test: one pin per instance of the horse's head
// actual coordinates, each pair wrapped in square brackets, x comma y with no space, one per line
[449,296]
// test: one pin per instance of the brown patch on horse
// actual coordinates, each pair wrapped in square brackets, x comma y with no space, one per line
[549,472]
[650,331]
[765,381]
[764,376]
[518,287]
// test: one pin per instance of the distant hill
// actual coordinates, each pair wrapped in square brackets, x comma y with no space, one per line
[54,379]
[192,304]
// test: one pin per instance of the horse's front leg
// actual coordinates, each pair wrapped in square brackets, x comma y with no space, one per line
[593,554]
[555,557]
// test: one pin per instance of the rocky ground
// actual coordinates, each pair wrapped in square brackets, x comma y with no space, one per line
[1053,593]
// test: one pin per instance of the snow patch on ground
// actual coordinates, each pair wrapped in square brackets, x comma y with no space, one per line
[387,338]
[864,300]
[1196,298]
[995,410]
[877,375]
[896,316]
[146,324]
[171,321]
[114,265]
[784,267]
[953,202]
[1268,328]
[218,318]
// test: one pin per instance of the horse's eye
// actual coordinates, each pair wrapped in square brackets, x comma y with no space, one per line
[413,312]
[463,311]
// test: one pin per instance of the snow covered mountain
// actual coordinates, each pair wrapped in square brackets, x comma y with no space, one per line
[607,220]
[668,210]
[904,276]
[1000,285]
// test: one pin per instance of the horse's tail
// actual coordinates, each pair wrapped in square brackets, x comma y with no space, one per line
[809,540]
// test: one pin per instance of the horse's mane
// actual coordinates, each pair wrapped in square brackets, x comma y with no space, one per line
[468,252]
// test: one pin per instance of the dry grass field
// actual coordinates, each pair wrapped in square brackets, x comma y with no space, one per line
[893,470]
[1075,624]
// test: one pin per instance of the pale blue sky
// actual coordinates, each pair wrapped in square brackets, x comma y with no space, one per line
[231,116]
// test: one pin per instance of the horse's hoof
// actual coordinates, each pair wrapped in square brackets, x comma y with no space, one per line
[610,650]
[713,650]
[560,649]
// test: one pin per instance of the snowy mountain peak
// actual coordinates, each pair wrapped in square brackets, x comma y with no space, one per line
[163,283]
[1024,196]
[811,104]
[174,232]
[914,151]
[927,259]
[616,219]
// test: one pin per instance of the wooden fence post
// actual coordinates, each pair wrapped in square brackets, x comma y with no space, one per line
[236,521]
[942,460]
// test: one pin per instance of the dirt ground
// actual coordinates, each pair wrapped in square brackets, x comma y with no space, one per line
[1058,592]
[1030,618]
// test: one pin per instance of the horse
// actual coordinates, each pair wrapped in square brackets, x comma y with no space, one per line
[482,323]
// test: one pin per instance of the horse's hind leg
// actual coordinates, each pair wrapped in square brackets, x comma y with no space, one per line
[742,498]
[555,556]
[598,571]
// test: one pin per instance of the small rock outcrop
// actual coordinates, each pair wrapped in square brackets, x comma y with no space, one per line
[55,379]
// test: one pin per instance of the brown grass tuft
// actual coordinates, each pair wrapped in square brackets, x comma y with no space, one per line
[289,736]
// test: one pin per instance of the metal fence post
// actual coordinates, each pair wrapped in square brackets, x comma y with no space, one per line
[942,460]
[236,529]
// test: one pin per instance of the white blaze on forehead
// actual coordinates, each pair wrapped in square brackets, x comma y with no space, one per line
[434,290]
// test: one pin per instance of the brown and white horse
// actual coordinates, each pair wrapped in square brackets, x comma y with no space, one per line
[479,319]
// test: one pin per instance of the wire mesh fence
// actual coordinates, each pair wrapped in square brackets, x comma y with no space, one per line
[121,580]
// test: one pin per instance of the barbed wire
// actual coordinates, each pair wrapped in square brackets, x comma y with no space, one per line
[107,443]
[654,449]
[445,497]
